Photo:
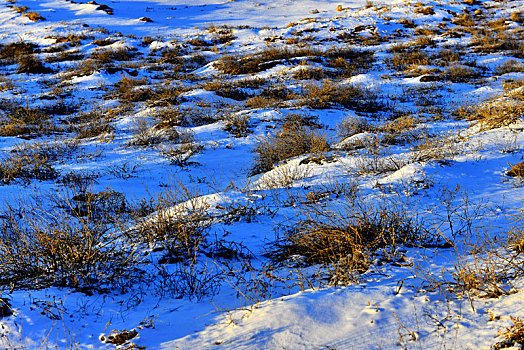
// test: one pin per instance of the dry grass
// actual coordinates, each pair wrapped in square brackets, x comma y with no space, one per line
[18,119]
[513,335]
[111,55]
[328,94]
[41,249]
[287,142]
[346,60]
[182,153]
[346,236]
[33,161]
[146,133]
[238,124]
[493,114]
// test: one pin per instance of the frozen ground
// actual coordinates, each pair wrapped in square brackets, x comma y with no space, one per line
[140,100]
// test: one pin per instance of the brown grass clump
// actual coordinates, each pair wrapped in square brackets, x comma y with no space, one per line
[460,74]
[425,10]
[182,153]
[238,124]
[494,114]
[19,120]
[516,170]
[404,58]
[111,55]
[146,133]
[510,67]
[513,335]
[56,248]
[34,16]
[72,55]
[517,17]
[236,90]
[488,40]
[33,161]
[12,52]
[327,93]
[289,141]
[129,89]
[347,59]
[346,236]
[32,65]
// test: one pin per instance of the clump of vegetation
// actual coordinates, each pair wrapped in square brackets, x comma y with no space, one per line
[238,124]
[146,133]
[41,249]
[513,335]
[23,54]
[181,153]
[113,54]
[18,119]
[346,236]
[493,114]
[33,161]
[347,60]
[328,94]
[290,140]
[129,89]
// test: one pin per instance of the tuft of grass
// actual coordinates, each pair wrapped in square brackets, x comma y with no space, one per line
[513,335]
[346,236]
[111,55]
[348,60]
[289,141]
[493,114]
[56,248]
[33,161]
[327,94]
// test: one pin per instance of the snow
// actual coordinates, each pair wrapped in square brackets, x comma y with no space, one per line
[392,306]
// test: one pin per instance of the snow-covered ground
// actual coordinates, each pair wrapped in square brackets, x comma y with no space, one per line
[412,151]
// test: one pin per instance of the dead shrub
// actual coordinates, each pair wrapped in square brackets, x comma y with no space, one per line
[97,121]
[11,53]
[517,17]
[39,249]
[72,55]
[489,40]
[111,55]
[347,59]
[310,73]
[328,94]
[33,161]
[171,117]
[34,16]
[510,66]
[352,125]
[30,64]
[346,236]
[181,223]
[288,141]
[129,89]
[19,120]
[146,133]
[238,124]
[229,89]
[181,154]
[493,114]
[460,74]
[404,58]
[513,335]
